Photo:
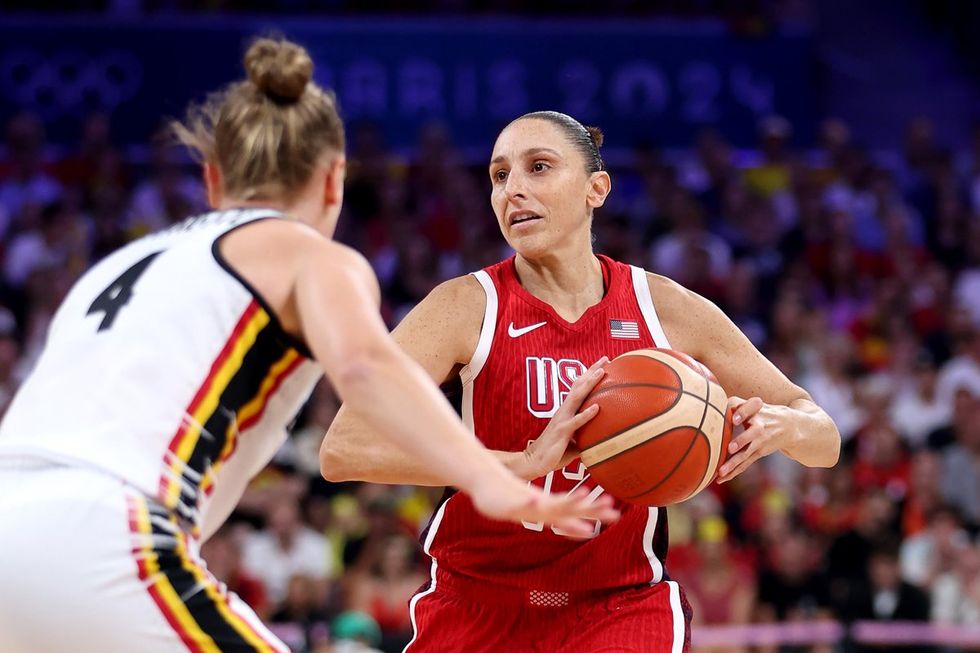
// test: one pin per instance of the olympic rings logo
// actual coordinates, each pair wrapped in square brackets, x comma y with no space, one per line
[62,82]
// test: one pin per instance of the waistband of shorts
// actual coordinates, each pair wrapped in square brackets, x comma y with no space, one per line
[18,461]
[26,463]
[484,592]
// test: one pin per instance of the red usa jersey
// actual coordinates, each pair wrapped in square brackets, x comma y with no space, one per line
[525,362]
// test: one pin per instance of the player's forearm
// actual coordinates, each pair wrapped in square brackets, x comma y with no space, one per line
[815,440]
[353,451]
[402,407]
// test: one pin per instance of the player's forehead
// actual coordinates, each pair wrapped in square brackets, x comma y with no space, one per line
[527,136]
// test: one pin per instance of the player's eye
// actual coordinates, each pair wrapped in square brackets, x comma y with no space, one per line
[500,175]
[539,166]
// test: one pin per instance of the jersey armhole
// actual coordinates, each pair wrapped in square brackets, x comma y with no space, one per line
[471,370]
[641,288]
[294,342]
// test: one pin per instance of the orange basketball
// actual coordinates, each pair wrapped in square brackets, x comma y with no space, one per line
[662,430]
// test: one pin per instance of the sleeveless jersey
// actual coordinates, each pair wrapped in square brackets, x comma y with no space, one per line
[165,369]
[525,362]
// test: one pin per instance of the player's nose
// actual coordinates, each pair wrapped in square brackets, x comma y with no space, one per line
[515,186]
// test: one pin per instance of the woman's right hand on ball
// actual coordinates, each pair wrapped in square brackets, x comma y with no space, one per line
[554,449]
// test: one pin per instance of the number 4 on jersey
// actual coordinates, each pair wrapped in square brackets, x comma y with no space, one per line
[119,292]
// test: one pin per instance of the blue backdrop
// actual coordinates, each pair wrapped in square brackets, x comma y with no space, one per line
[638,80]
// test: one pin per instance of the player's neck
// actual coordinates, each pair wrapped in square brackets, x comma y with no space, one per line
[570,284]
[306,207]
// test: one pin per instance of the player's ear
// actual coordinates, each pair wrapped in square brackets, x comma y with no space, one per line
[212,181]
[333,185]
[599,186]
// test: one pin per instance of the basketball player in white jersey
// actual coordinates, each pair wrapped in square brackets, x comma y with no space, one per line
[170,374]
[516,334]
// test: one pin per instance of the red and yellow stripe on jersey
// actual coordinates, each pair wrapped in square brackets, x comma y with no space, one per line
[188,597]
[247,372]
[251,412]
[205,402]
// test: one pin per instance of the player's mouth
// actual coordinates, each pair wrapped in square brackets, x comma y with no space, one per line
[522,217]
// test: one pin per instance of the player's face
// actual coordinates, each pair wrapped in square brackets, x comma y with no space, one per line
[540,188]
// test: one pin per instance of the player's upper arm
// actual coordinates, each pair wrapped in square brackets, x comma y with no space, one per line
[440,334]
[336,298]
[442,331]
[698,327]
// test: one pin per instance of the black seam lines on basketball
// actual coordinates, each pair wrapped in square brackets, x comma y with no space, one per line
[698,432]
[707,402]
[649,417]
[676,389]
[710,405]
[603,391]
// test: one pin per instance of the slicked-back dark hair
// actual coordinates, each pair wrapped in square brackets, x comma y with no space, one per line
[587,140]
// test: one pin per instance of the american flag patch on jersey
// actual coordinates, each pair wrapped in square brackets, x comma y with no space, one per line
[624,329]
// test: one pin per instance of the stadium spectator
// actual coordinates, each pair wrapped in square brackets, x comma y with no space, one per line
[26,185]
[287,549]
[886,597]
[956,594]
[934,551]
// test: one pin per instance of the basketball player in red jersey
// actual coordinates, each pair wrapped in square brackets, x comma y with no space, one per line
[518,334]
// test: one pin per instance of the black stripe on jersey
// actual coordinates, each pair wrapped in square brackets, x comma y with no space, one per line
[173,565]
[267,349]
[661,538]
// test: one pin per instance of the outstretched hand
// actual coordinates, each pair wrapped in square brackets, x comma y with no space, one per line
[554,449]
[516,501]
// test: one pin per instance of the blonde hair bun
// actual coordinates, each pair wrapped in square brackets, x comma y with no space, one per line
[278,68]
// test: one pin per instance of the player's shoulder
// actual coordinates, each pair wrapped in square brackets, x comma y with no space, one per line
[689,319]
[463,291]
[448,319]
[673,301]
[298,239]
[668,293]
[278,229]
[458,302]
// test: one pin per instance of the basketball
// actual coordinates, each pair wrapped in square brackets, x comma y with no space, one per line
[662,430]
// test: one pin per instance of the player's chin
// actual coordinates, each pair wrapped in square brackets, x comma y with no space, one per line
[531,245]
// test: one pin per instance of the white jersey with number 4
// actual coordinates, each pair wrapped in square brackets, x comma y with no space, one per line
[165,369]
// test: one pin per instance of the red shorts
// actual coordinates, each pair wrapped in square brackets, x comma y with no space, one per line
[459,614]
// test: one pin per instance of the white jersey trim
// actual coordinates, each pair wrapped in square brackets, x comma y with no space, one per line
[657,567]
[641,287]
[472,369]
[678,614]
[429,538]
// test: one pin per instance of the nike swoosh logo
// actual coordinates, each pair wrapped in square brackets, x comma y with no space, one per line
[517,333]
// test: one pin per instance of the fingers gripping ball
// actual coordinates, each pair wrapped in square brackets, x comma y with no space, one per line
[662,430]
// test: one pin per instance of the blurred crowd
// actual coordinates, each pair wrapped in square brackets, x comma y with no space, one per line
[856,273]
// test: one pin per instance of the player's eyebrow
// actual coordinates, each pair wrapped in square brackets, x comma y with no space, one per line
[526,153]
